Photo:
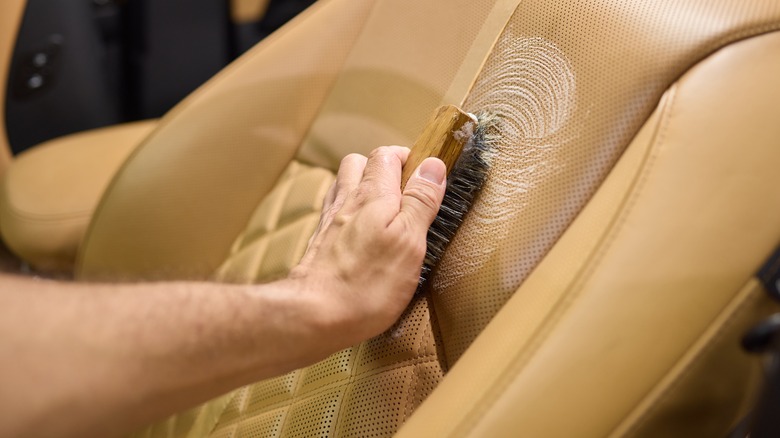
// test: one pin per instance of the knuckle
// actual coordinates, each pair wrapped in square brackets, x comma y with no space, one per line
[352,159]
[425,196]
[406,239]
[415,243]
[380,151]
[340,219]
[360,194]
[384,155]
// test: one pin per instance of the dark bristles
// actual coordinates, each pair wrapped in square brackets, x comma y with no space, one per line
[464,181]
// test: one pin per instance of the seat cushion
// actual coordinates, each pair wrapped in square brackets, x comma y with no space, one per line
[49,193]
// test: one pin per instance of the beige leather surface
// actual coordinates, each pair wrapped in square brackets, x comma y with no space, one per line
[367,389]
[49,194]
[10,20]
[394,77]
[571,95]
[621,307]
[247,11]
[218,153]
[278,232]
[601,337]
[713,378]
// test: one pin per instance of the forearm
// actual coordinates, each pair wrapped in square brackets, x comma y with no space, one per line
[106,358]
[101,360]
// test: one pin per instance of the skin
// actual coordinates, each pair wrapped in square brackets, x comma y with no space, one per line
[106,359]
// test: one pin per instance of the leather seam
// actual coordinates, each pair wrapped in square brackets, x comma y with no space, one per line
[38,217]
[438,345]
[403,364]
[345,385]
[410,396]
[269,234]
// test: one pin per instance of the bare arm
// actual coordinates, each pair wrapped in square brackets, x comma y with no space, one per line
[86,359]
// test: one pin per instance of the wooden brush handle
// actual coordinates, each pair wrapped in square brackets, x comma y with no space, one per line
[443,137]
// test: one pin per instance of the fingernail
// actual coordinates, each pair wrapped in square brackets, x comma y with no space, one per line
[433,170]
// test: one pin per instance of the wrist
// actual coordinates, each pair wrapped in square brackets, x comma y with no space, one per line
[305,327]
[330,313]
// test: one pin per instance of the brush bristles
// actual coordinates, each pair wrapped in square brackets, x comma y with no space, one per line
[464,182]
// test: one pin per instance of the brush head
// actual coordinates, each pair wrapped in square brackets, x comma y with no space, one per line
[464,181]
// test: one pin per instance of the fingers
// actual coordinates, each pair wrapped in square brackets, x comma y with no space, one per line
[423,195]
[382,175]
[360,180]
[347,180]
[350,174]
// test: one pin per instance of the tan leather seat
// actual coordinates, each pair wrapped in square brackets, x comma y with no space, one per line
[49,193]
[599,285]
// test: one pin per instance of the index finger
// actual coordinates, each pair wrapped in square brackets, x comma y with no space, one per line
[382,174]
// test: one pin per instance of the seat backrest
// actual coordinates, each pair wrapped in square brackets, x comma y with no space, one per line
[221,150]
[10,19]
[599,283]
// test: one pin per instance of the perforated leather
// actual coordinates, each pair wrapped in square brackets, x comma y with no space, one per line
[630,324]
[570,97]
[572,83]
[369,389]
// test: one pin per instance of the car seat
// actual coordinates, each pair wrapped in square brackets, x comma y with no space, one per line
[49,195]
[601,282]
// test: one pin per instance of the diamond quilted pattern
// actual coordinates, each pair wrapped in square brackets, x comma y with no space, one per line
[365,390]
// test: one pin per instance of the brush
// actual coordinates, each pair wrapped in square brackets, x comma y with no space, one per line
[462,141]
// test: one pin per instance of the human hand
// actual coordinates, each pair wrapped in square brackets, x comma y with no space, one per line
[363,262]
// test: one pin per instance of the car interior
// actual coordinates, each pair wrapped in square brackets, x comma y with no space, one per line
[616,276]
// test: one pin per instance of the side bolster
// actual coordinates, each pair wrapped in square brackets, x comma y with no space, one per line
[10,20]
[182,198]
[49,193]
[648,284]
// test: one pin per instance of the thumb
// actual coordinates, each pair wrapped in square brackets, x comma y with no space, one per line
[423,194]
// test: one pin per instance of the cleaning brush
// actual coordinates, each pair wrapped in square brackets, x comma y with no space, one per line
[462,141]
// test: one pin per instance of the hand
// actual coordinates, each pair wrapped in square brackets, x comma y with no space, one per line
[364,260]
[108,358]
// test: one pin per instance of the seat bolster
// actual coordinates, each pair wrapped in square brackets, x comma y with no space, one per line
[49,193]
